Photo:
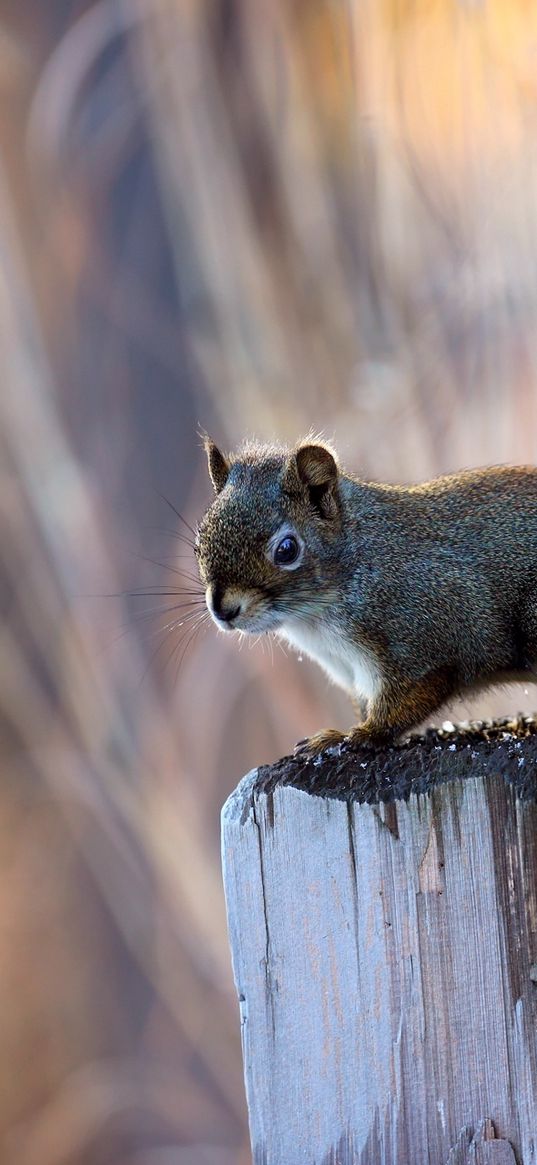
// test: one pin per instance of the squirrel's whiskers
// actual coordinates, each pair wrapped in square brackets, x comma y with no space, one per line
[189,611]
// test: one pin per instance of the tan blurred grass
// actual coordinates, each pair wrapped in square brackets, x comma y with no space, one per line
[255,218]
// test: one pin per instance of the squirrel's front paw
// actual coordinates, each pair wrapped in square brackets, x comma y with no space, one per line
[316,744]
[362,734]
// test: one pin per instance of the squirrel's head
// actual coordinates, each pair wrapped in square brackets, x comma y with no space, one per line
[267,547]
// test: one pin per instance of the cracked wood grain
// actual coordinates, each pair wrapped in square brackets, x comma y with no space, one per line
[484,1148]
[384,964]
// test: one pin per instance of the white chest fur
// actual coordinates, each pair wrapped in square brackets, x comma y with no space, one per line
[349,666]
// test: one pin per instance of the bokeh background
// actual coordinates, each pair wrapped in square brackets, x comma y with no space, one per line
[252,217]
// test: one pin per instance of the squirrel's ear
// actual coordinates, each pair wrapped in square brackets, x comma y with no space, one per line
[218,466]
[318,471]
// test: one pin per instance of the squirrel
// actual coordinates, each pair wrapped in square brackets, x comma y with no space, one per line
[407,596]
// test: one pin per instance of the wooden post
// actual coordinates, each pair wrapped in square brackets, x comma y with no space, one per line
[385,953]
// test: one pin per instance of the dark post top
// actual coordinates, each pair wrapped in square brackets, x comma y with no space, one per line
[507,747]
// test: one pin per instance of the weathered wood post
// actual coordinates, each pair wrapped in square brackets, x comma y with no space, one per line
[382,913]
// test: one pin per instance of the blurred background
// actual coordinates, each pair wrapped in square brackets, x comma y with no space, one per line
[252,217]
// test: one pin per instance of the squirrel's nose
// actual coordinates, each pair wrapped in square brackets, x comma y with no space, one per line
[226,612]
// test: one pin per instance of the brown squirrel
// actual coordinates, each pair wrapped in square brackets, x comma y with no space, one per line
[406,596]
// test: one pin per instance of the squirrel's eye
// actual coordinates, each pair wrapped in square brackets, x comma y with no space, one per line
[287,551]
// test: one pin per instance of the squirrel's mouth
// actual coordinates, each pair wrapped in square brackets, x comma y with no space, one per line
[255,623]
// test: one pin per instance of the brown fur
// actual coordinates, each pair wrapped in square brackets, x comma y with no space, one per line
[407,595]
